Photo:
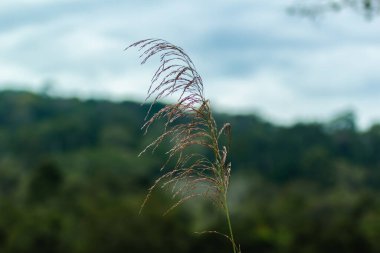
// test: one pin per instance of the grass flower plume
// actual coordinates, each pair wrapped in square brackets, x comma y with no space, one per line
[201,167]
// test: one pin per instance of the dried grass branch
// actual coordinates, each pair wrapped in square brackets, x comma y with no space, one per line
[188,126]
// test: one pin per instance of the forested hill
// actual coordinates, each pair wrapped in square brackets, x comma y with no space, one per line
[71,181]
[35,127]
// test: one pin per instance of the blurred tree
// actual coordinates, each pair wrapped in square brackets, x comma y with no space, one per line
[45,182]
[309,187]
[370,227]
[315,8]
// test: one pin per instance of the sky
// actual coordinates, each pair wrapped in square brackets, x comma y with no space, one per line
[253,56]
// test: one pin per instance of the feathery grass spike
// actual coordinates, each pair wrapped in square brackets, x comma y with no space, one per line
[188,125]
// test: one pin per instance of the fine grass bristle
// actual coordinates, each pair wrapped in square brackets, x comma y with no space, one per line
[188,126]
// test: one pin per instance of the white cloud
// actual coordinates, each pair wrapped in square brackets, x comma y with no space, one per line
[252,55]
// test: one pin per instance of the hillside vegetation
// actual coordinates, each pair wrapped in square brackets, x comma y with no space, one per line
[71,181]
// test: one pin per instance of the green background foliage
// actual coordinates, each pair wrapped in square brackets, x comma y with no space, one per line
[71,181]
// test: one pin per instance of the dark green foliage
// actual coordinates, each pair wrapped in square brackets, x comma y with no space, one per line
[70,181]
[45,182]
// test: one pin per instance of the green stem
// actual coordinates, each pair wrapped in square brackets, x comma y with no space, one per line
[219,172]
[229,223]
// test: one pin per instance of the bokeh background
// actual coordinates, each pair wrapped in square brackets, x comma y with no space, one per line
[298,81]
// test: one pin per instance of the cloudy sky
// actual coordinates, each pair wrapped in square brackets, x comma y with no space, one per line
[253,56]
